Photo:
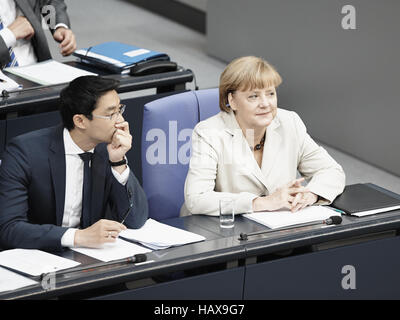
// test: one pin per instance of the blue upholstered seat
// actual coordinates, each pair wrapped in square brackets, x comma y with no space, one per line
[166,142]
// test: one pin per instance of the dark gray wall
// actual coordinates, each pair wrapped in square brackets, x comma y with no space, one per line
[343,83]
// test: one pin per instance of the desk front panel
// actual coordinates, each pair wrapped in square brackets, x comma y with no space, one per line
[226,285]
[364,271]
[2,136]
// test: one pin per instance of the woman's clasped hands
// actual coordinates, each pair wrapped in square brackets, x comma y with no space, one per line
[292,196]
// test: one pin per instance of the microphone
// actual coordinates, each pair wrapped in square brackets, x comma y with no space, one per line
[137,258]
[332,220]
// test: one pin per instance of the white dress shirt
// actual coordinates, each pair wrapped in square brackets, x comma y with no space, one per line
[74,188]
[23,49]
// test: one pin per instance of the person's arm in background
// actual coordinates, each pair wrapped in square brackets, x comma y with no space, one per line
[19,29]
[61,30]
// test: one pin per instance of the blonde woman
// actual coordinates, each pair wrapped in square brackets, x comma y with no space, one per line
[251,151]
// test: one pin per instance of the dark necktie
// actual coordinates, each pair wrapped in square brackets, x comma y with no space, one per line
[87,189]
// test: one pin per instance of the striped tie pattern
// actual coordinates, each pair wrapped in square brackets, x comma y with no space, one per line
[13,62]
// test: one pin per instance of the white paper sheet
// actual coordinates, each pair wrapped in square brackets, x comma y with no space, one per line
[7,83]
[113,251]
[278,219]
[371,212]
[11,281]
[135,53]
[34,262]
[49,72]
[157,235]
[101,57]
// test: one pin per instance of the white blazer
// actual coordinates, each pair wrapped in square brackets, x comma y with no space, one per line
[222,164]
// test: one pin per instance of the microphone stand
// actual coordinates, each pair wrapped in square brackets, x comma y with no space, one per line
[137,258]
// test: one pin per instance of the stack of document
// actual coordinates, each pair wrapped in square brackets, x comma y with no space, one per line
[49,72]
[157,235]
[34,262]
[279,219]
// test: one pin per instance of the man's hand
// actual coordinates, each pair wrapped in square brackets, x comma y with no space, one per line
[103,231]
[121,142]
[21,28]
[282,198]
[67,40]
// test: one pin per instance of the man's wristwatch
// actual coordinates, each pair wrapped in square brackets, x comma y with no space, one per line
[118,163]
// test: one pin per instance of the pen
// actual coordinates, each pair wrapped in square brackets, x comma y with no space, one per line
[127,213]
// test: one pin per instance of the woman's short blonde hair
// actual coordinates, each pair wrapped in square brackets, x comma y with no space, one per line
[246,73]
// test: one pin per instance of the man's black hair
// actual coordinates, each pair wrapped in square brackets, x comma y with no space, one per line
[81,96]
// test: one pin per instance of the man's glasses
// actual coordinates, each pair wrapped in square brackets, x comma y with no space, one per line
[114,115]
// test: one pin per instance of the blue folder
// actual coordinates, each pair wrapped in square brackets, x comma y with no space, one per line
[117,57]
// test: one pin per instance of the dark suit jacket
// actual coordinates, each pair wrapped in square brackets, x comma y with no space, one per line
[32,192]
[32,9]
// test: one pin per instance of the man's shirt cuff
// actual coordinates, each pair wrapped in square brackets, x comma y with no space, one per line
[58,25]
[68,238]
[8,37]
[123,177]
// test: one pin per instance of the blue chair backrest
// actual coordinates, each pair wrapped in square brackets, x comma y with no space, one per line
[166,147]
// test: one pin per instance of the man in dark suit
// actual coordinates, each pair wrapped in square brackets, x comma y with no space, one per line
[45,175]
[21,33]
